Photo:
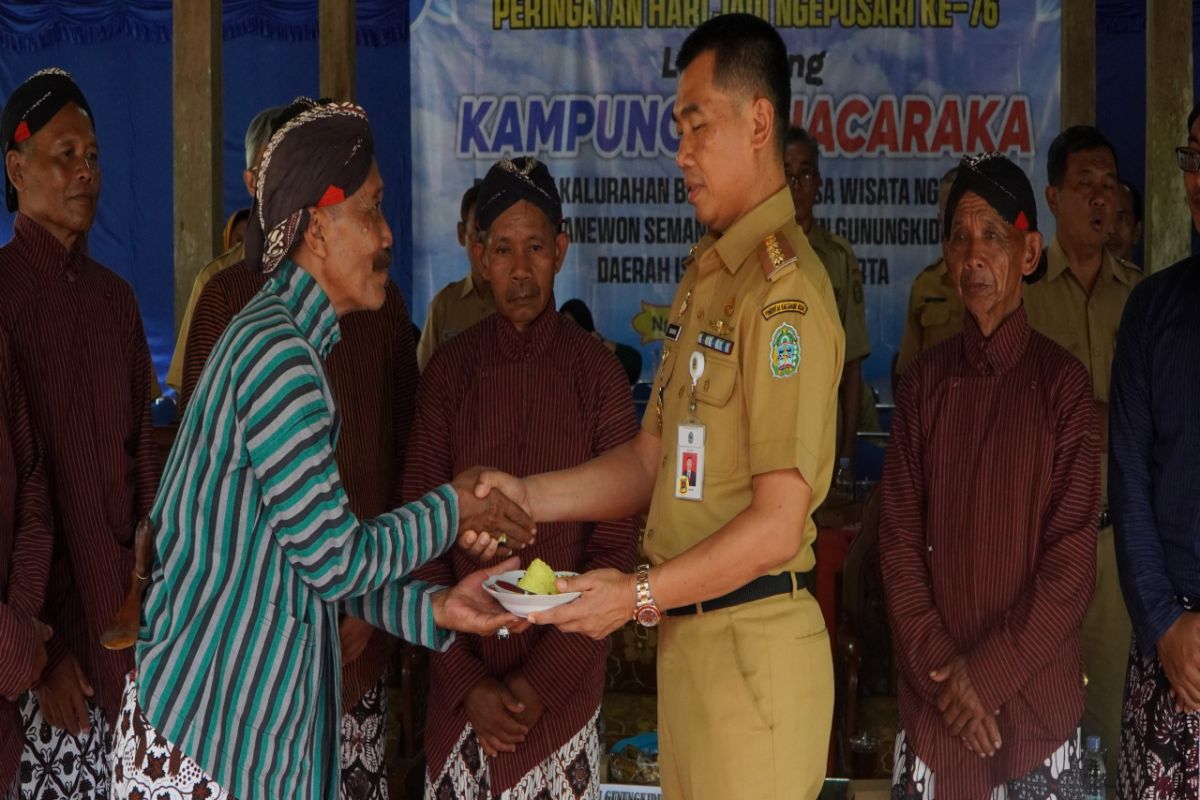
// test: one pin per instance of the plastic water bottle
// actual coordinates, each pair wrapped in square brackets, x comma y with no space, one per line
[1094,772]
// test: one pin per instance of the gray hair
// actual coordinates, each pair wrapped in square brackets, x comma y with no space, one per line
[260,130]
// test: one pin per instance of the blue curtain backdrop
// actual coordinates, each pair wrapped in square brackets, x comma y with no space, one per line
[120,53]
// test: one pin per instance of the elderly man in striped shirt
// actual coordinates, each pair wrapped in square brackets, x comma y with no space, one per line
[238,680]
[988,532]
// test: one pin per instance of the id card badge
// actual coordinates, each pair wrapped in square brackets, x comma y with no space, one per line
[689,448]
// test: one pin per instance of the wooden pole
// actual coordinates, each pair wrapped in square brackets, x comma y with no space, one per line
[337,54]
[1168,103]
[196,105]
[1077,93]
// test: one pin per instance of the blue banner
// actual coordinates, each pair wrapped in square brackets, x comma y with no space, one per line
[893,90]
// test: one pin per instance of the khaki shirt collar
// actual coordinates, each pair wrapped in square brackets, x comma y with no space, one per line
[738,243]
[468,285]
[1057,264]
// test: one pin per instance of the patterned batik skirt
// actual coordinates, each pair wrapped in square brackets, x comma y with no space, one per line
[1160,746]
[146,765]
[57,765]
[364,776]
[570,773]
[1059,777]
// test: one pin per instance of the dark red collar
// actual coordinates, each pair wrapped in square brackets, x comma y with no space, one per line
[998,353]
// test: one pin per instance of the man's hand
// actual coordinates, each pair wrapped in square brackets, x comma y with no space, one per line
[467,608]
[355,635]
[490,524]
[523,690]
[61,696]
[514,488]
[963,712]
[491,709]
[1179,652]
[42,634]
[608,601]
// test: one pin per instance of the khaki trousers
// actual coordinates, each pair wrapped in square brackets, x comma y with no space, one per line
[1106,632]
[745,700]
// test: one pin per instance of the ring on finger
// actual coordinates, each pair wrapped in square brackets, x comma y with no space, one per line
[502,632]
[502,538]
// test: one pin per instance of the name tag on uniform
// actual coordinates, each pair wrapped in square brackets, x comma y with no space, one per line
[689,462]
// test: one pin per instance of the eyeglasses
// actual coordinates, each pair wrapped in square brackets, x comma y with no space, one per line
[1189,159]
[807,177]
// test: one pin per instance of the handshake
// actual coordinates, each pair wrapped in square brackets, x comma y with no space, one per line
[492,522]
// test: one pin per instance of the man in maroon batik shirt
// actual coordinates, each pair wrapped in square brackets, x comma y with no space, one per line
[988,531]
[525,391]
[77,337]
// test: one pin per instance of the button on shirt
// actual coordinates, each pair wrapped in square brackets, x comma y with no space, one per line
[757,420]
[1154,439]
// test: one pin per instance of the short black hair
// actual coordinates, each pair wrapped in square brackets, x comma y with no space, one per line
[468,201]
[750,57]
[1074,139]
[1192,117]
[1137,199]
[797,135]
[577,310]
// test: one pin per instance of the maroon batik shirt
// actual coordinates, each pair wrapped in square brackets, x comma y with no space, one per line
[26,541]
[988,543]
[77,335]
[544,399]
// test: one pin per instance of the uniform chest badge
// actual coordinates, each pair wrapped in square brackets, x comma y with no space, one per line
[673,331]
[729,306]
[785,351]
[715,343]
[722,327]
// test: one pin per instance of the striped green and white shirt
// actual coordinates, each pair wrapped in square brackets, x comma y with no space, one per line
[239,659]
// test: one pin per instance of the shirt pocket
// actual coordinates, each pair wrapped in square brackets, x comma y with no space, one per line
[934,315]
[720,414]
[285,673]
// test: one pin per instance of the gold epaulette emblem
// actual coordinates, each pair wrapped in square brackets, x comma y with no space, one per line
[775,253]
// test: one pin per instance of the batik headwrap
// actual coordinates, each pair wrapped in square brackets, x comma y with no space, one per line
[510,181]
[318,158]
[1004,187]
[30,107]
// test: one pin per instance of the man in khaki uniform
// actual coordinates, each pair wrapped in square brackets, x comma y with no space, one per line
[745,399]
[460,304]
[801,163]
[1127,225]
[1078,303]
[260,130]
[935,311]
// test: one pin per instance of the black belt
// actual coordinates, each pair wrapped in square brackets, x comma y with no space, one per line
[1104,520]
[757,589]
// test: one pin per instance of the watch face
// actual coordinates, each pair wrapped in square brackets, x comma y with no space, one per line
[648,616]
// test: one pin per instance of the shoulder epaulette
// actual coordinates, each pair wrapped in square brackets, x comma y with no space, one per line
[775,253]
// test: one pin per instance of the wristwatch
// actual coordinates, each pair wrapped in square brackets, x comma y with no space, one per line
[646,614]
